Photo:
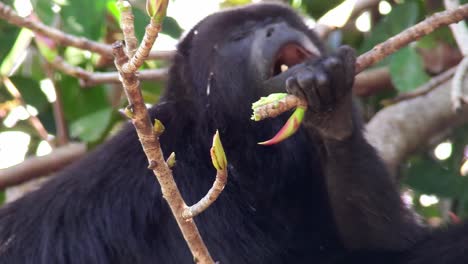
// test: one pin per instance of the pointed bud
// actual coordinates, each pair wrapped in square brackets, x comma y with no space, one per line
[158,127]
[124,6]
[129,111]
[171,160]
[218,157]
[291,126]
[157,9]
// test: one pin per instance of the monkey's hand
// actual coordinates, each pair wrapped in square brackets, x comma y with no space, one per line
[326,85]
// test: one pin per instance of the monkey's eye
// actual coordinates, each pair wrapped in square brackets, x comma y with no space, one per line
[290,55]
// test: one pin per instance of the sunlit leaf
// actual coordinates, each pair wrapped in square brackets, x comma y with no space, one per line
[91,127]
[407,70]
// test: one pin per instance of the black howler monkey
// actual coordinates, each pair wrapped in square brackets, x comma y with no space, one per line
[322,196]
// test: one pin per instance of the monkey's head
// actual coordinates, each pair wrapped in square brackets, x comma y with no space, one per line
[227,58]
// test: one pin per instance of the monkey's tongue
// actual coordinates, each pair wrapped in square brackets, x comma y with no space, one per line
[290,55]
[288,60]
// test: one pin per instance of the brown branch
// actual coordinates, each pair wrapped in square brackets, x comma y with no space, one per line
[32,119]
[166,55]
[64,39]
[405,37]
[35,167]
[401,129]
[62,136]
[371,81]
[458,98]
[151,33]
[271,110]
[152,149]
[113,77]
[459,30]
[128,28]
[460,33]
[209,198]
[409,35]
[149,140]
[89,79]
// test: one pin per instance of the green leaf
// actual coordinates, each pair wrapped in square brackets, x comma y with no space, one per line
[317,8]
[43,9]
[84,18]
[8,37]
[31,92]
[22,42]
[171,27]
[92,127]
[407,70]
[113,9]
[78,102]
[141,20]
[433,177]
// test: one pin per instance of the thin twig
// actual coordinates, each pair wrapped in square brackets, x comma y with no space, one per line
[460,33]
[151,33]
[149,140]
[128,28]
[280,106]
[458,98]
[459,30]
[35,167]
[62,137]
[152,148]
[209,198]
[409,35]
[64,39]
[113,77]
[89,79]
[423,89]
[33,120]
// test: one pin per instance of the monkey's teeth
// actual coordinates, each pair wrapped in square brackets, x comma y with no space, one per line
[284,67]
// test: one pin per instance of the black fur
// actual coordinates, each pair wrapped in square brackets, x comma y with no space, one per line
[310,199]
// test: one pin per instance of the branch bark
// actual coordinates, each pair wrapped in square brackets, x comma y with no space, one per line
[460,32]
[64,39]
[399,130]
[40,166]
[127,66]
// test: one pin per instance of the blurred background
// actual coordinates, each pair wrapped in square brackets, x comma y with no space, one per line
[44,111]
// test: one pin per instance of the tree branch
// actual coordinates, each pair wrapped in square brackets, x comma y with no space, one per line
[61,38]
[398,130]
[34,167]
[148,134]
[32,119]
[89,79]
[423,89]
[209,198]
[113,77]
[460,32]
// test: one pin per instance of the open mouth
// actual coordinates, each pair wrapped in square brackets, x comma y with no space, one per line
[289,55]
